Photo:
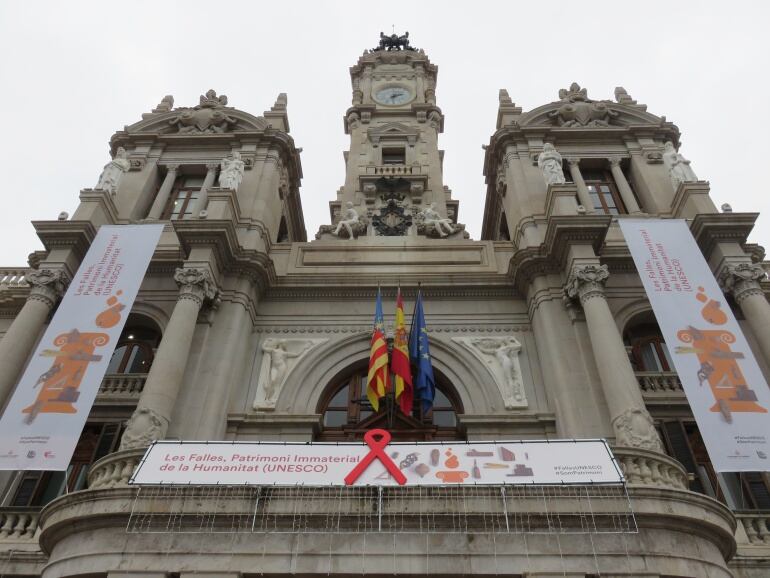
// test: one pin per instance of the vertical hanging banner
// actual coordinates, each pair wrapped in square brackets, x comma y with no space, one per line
[728,395]
[44,418]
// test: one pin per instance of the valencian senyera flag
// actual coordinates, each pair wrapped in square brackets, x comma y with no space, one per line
[377,380]
[419,355]
[399,363]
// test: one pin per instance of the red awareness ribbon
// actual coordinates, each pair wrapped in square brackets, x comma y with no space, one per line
[377,440]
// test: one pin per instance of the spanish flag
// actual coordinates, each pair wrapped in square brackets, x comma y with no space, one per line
[377,380]
[402,372]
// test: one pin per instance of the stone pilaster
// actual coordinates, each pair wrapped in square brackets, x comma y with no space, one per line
[582,190]
[629,200]
[153,413]
[47,287]
[742,281]
[161,199]
[203,195]
[631,421]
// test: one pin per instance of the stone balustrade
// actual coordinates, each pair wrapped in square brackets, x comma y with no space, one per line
[757,526]
[128,385]
[391,170]
[115,469]
[657,382]
[12,278]
[18,524]
[647,468]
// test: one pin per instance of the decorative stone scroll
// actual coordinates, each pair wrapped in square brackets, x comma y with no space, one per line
[586,282]
[500,355]
[144,426]
[47,285]
[279,358]
[578,110]
[742,280]
[208,117]
[195,284]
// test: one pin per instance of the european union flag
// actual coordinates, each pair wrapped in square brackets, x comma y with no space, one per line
[419,356]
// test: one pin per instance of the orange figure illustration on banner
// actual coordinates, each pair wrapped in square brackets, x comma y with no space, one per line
[718,362]
[59,385]
[452,475]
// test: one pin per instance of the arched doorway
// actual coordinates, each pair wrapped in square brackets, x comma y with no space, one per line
[347,414]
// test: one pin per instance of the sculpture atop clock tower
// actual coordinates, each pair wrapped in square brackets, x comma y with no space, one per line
[393,181]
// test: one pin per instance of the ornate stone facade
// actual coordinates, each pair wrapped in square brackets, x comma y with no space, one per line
[243,331]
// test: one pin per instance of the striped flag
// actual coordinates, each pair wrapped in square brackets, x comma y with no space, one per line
[377,380]
[399,365]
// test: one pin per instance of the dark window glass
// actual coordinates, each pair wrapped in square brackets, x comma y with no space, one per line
[393,156]
[135,351]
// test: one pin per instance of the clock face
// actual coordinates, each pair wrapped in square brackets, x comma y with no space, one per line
[393,95]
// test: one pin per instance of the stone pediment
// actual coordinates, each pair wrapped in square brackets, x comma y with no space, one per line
[393,130]
[210,116]
[576,110]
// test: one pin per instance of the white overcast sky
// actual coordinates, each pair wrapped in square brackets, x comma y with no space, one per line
[72,73]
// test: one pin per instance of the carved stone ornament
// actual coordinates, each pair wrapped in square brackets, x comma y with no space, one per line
[350,225]
[208,117]
[47,285]
[500,355]
[231,172]
[144,427]
[586,282]
[742,280]
[113,172]
[166,104]
[393,42]
[431,224]
[195,284]
[634,428]
[679,170]
[577,110]
[279,358]
[392,220]
[550,163]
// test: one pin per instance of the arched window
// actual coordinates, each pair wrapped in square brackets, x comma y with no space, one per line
[135,350]
[347,414]
[647,348]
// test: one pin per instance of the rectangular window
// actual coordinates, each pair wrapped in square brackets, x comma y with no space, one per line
[39,488]
[394,156]
[604,194]
[183,198]
[740,491]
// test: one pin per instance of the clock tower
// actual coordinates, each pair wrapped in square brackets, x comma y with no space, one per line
[393,180]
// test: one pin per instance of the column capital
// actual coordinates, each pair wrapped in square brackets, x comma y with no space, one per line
[172,168]
[742,280]
[47,285]
[586,282]
[212,166]
[615,160]
[573,161]
[196,284]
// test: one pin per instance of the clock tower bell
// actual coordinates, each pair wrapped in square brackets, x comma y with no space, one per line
[393,180]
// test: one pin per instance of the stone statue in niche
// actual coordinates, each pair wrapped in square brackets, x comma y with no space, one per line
[113,172]
[549,162]
[432,220]
[679,169]
[350,222]
[280,357]
[231,172]
[501,357]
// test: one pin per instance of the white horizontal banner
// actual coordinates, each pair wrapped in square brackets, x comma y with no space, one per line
[427,464]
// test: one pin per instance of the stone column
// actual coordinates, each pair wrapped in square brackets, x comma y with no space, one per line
[47,286]
[161,199]
[629,200]
[631,422]
[203,195]
[582,190]
[153,412]
[742,280]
